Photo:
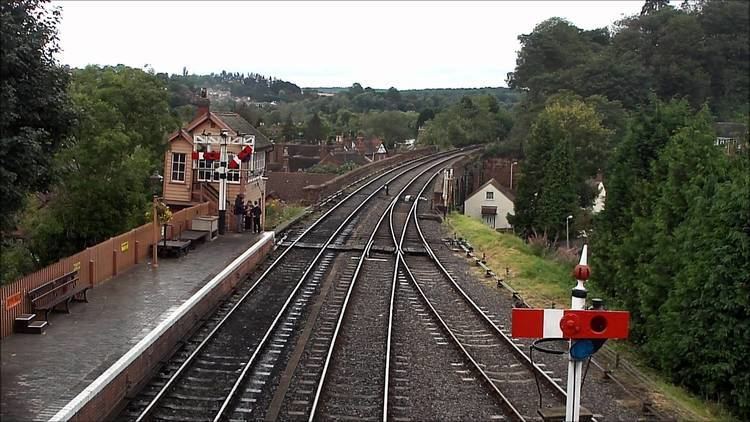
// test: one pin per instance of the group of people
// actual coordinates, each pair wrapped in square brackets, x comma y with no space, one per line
[247,214]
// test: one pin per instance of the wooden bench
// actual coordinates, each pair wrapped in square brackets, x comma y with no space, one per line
[59,291]
[194,236]
[173,247]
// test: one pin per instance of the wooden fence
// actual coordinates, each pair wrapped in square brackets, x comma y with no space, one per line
[95,264]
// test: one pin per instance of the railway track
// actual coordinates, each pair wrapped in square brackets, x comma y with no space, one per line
[340,370]
[221,372]
[490,354]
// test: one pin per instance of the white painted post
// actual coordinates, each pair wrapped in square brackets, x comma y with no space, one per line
[222,170]
[575,367]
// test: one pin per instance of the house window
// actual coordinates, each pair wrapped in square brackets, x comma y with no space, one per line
[489,219]
[490,196]
[178,167]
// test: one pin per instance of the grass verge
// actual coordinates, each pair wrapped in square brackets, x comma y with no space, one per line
[545,282]
[278,212]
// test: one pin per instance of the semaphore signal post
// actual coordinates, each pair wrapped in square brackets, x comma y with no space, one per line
[225,163]
[585,329]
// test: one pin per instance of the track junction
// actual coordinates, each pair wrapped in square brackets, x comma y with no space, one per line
[358,315]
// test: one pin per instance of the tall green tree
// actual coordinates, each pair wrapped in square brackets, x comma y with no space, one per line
[564,150]
[36,117]
[315,131]
[103,188]
[392,126]
[672,246]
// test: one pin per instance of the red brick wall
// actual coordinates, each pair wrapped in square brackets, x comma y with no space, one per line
[315,192]
[289,186]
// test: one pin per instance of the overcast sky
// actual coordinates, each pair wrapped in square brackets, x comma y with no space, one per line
[314,44]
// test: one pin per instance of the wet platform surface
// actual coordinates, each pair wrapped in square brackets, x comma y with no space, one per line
[42,373]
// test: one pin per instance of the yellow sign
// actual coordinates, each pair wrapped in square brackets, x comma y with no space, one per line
[124,246]
[77,266]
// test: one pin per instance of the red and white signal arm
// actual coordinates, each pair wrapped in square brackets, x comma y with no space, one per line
[569,324]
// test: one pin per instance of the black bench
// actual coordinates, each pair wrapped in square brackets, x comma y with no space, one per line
[59,291]
[173,247]
[194,236]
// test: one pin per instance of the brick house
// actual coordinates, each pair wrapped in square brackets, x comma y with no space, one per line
[188,182]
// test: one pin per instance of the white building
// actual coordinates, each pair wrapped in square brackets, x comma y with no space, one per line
[491,203]
[601,196]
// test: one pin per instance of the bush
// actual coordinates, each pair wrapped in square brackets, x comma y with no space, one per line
[16,261]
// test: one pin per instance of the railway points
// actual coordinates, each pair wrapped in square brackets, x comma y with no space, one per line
[363,313]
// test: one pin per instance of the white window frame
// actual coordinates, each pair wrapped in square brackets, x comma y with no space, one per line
[177,171]
[489,219]
[489,196]
[233,175]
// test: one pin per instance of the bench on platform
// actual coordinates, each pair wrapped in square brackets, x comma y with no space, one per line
[59,291]
[194,236]
[173,247]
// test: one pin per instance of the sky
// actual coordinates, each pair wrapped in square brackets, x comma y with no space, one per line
[408,45]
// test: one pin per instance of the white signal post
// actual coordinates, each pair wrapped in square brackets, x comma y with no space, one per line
[575,366]
[222,170]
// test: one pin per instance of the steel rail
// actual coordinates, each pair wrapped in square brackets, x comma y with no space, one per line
[401,261]
[233,392]
[355,276]
[152,404]
[525,359]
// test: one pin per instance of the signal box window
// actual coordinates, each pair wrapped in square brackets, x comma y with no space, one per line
[178,167]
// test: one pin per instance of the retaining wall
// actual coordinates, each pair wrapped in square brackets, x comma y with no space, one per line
[314,193]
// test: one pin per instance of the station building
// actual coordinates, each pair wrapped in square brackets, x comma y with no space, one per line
[189,181]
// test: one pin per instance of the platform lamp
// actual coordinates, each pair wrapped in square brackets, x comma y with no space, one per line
[156,180]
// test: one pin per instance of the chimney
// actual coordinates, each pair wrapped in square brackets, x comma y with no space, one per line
[203,103]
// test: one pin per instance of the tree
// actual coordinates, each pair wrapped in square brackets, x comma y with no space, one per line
[314,131]
[425,116]
[564,151]
[123,117]
[391,126]
[652,6]
[676,256]
[36,116]
[288,131]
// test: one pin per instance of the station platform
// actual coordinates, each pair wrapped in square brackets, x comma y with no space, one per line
[42,373]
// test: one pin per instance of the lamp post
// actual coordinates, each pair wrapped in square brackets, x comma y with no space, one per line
[156,180]
[511,173]
[222,170]
[567,235]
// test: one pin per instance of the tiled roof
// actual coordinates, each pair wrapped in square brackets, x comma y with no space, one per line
[497,186]
[730,130]
[239,125]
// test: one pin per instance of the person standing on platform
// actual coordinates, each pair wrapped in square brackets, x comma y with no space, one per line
[256,216]
[239,212]
[249,216]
